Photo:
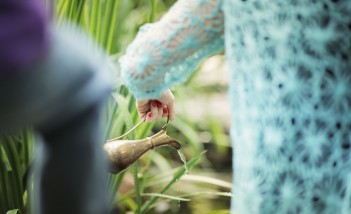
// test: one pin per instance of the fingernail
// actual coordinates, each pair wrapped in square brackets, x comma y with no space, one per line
[159,105]
[154,104]
[149,114]
[165,110]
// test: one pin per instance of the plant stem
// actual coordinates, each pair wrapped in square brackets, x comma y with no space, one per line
[137,187]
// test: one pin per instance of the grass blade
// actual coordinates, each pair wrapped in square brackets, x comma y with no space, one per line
[179,173]
[16,211]
[137,187]
[153,10]
[206,193]
[209,180]
[166,196]
[14,179]
[218,212]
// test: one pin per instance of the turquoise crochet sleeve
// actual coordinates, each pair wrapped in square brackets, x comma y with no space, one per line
[168,51]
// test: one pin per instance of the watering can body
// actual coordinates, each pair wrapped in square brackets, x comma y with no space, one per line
[122,153]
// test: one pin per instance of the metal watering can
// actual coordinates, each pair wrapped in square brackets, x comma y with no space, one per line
[122,153]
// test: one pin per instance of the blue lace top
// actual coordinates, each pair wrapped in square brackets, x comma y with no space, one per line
[290,91]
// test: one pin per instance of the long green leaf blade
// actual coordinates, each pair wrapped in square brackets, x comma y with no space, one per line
[180,172]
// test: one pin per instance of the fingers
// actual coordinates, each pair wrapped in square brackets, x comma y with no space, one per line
[167,98]
[155,112]
[164,111]
[160,110]
[143,107]
[148,118]
[152,110]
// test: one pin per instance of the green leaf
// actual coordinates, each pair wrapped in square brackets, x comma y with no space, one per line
[177,175]
[153,10]
[160,161]
[209,180]
[125,112]
[189,132]
[166,196]
[13,180]
[16,211]
[137,187]
[219,212]
[207,193]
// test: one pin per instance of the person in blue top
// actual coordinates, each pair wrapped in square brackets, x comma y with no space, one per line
[290,64]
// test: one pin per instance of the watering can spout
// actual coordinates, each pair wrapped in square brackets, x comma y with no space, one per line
[175,144]
[122,153]
[162,139]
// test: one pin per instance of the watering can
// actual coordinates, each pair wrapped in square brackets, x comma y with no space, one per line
[122,153]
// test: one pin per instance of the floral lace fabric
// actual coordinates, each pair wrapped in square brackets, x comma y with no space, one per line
[166,52]
[290,64]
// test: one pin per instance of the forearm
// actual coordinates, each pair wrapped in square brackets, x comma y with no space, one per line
[166,52]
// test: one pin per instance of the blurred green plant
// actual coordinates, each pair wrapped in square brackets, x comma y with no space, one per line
[112,24]
[15,155]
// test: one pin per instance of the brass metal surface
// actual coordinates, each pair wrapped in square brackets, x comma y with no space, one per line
[122,153]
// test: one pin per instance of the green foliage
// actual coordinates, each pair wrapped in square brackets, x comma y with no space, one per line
[218,212]
[16,211]
[177,175]
[15,156]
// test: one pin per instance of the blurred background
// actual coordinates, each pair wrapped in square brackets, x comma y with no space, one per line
[157,183]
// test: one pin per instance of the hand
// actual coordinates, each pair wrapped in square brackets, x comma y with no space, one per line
[152,110]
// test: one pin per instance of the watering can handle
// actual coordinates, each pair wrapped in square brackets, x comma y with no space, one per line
[165,126]
[136,126]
